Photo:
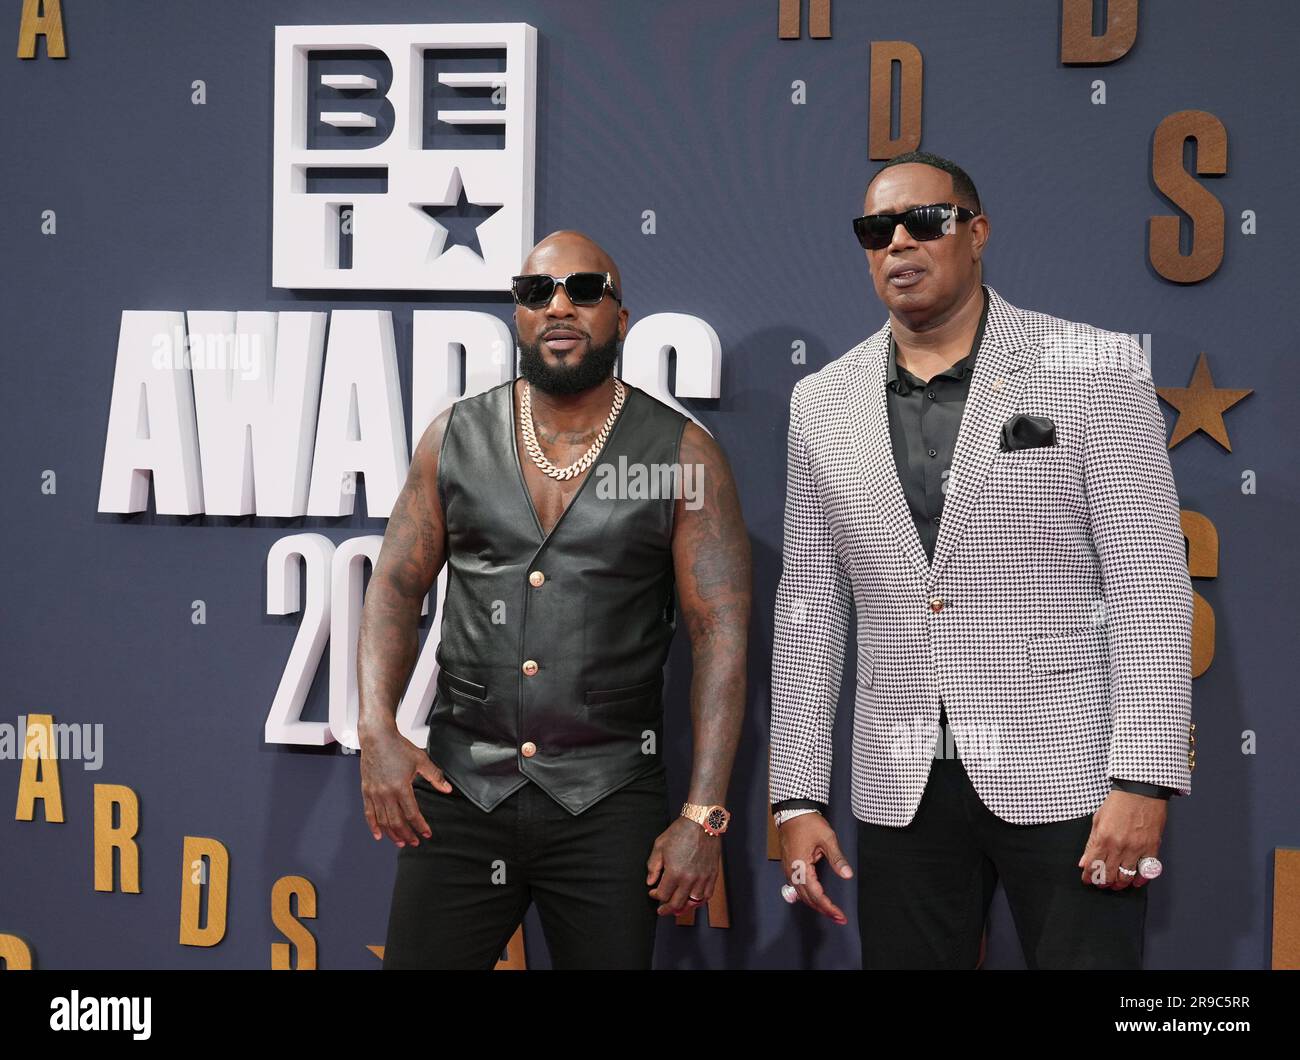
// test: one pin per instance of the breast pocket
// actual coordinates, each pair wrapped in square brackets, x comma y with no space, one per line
[1033,455]
[1037,480]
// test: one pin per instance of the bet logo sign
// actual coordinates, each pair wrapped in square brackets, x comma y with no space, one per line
[404,156]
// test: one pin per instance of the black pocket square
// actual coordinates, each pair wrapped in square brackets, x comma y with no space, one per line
[1023,431]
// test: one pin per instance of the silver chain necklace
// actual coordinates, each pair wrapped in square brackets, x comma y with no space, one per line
[583,462]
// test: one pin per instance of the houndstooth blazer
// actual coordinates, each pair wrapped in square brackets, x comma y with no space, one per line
[1055,618]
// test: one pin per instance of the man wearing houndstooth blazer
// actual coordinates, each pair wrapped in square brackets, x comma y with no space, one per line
[1040,629]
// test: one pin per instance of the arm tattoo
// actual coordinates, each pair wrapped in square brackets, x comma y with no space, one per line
[712,561]
[413,553]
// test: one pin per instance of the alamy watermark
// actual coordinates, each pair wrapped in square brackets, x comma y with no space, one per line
[1081,347]
[68,742]
[978,745]
[637,481]
[213,351]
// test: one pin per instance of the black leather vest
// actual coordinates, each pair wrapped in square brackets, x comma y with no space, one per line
[598,626]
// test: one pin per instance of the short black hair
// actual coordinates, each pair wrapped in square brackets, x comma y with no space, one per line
[963,188]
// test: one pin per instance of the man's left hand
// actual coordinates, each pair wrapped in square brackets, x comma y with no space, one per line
[689,859]
[1126,828]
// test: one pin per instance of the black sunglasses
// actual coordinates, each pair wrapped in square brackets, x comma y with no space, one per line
[875,231]
[582,288]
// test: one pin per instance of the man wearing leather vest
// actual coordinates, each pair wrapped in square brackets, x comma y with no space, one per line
[575,514]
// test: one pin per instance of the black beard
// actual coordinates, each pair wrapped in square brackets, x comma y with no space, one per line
[592,370]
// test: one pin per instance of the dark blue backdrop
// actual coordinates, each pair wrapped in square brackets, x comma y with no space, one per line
[683,108]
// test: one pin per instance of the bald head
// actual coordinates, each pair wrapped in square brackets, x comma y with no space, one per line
[566,348]
[568,251]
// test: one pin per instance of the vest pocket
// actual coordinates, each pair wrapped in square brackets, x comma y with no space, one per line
[461,687]
[622,715]
[618,695]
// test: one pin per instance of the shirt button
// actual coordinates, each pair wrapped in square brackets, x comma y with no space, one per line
[536,578]
[529,749]
[530,667]
[933,452]
[936,603]
[930,395]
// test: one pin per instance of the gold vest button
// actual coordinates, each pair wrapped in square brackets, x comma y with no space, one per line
[936,603]
[529,749]
[536,578]
[530,667]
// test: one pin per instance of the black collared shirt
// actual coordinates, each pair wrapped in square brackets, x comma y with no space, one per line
[923,422]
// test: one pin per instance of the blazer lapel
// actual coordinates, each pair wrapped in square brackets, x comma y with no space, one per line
[864,402]
[995,389]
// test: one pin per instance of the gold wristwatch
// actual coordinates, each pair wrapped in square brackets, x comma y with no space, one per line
[713,819]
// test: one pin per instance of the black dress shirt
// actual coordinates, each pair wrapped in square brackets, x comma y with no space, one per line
[924,417]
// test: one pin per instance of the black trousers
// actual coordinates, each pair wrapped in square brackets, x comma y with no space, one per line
[460,895]
[924,889]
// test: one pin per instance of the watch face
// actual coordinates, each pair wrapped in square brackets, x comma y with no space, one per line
[717,819]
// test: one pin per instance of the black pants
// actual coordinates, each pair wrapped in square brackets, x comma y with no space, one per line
[924,889]
[461,894]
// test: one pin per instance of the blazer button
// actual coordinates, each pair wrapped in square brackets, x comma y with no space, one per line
[936,603]
[529,749]
[536,578]
[530,667]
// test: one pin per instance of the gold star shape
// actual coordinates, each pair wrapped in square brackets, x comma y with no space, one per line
[1201,406]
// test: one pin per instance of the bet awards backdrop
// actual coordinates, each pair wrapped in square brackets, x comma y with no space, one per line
[253,248]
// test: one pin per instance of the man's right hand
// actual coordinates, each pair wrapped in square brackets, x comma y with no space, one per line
[389,763]
[805,840]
